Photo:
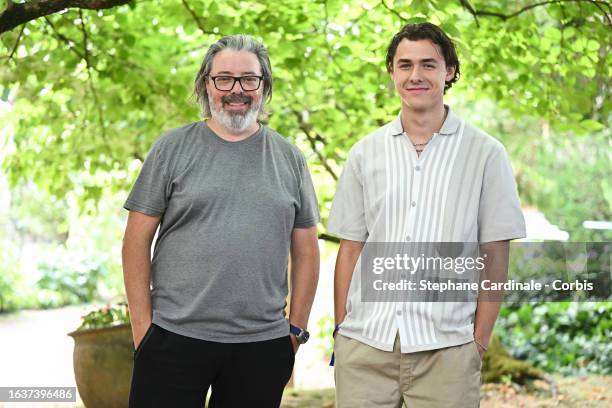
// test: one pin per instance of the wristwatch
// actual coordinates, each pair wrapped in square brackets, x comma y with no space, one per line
[301,335]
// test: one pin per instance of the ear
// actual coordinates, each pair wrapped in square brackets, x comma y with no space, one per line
[450,73]
[389,68]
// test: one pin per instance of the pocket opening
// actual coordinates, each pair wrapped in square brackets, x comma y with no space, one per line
[144,339]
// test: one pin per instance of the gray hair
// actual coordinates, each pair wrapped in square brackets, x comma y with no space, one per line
[235,42]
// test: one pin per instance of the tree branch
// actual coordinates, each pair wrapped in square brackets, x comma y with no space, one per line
[393,11]
[197,20]
[312,140]
[70,43]
[466,4]
[85,40]
[19,13]
[328,45]
[600,7]
[92,87]
[504,17]
[16,42]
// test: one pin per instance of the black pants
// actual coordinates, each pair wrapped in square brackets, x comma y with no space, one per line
[175,371]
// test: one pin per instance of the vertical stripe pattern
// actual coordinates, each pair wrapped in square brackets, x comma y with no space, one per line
[388,194]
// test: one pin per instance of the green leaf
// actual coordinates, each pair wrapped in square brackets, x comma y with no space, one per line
[593,45]
[591,125]
[451,29]
[129,40]
[553,33]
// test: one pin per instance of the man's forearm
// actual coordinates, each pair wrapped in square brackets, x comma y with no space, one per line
[486,315]
[342,281]
[136,259]
[348,254]
[304,279]
[489,303]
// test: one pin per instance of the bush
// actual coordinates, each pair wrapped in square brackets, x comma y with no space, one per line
[66,284]
[11,291]
[560,337]
[15,293]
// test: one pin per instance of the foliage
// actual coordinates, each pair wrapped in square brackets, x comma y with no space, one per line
[325,330]
[563,174]
[14,293]
[64,283]
[106,316]
[98,238]
[545,262]
[38,216]
[91,89]
[35,228]
[581,189]
[567,338]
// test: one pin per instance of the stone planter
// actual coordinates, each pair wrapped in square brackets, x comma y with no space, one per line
[103,361]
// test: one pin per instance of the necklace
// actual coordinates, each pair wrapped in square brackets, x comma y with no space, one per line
[419,147]
[420,144]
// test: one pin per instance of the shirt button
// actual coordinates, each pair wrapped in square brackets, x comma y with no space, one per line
[399,312]
[408,238]
[413,204]
[417,168]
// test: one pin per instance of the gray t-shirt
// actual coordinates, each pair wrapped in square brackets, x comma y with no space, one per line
[219,267]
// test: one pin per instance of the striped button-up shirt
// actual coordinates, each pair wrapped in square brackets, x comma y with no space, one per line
[460,189]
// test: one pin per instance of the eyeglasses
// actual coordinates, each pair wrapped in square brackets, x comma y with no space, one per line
[226,83]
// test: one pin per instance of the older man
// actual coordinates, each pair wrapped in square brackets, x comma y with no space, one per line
[231,198]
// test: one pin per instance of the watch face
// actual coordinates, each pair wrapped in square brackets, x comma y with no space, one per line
[304,336]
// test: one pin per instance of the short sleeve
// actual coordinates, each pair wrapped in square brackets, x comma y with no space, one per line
[500,216]
[307,213]
[347,215]
[149,194]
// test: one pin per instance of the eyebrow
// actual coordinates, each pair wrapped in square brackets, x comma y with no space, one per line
[231,73]
[426,60]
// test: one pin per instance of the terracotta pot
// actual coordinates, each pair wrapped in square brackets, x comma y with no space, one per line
[103,361]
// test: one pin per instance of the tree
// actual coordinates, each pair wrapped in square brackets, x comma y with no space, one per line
[16,14]
[93,87]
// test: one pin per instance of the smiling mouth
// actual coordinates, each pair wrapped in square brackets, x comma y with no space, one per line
[236,102]
[236,105]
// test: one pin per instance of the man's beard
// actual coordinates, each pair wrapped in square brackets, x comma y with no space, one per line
[235,122]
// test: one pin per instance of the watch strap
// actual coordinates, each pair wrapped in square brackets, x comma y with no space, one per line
[296,331]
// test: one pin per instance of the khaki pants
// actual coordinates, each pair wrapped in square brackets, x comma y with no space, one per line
[367,377]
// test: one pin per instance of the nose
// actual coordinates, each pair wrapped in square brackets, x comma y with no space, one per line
[415,74]
[237,88]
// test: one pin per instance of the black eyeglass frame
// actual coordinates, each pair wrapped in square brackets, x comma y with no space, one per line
[236,79]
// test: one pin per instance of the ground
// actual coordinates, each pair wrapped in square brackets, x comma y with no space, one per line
[583,392]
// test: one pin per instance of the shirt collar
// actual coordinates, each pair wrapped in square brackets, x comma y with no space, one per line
[449,127]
